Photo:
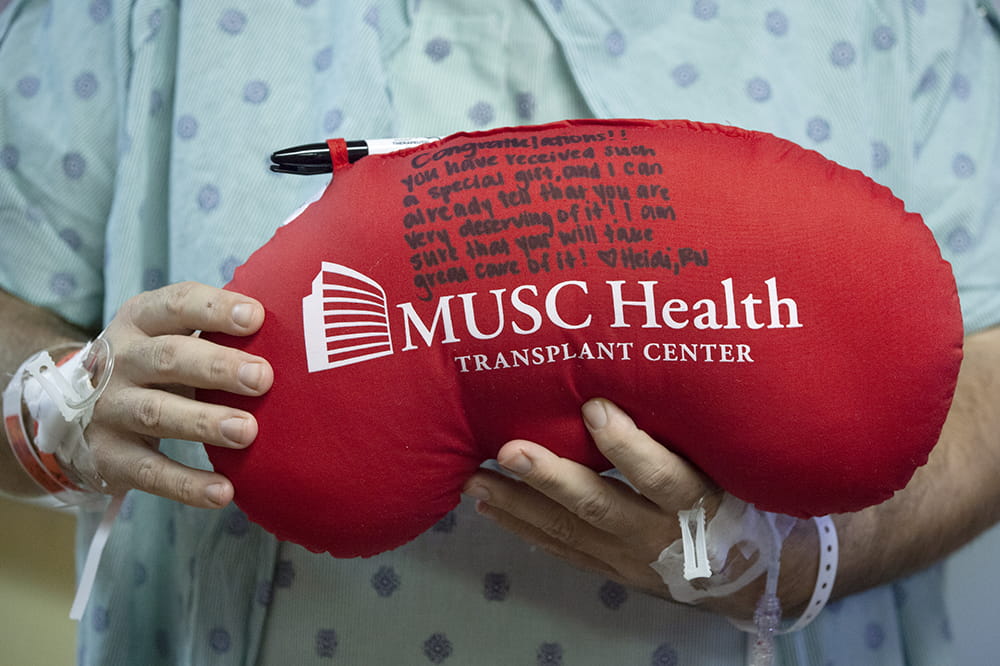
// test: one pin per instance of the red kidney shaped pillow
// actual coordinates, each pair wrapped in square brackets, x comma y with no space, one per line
[777,319]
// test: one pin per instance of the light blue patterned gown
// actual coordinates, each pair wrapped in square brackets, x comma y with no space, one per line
[133,152]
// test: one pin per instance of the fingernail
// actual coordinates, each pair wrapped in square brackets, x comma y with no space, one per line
[234,430]
[243,315]
[595,414]
[216,493]
[250,375]
[478,492]
[519,464]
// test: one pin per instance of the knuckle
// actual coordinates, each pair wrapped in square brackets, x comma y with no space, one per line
[164,355]
[203,425]
[659,478]
[149,412]
[219,370]
[562,528]
[594,507]
[147,473]
[177,297]
[184,489]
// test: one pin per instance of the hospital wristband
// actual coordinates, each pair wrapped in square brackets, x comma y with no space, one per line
[46,407]
[43,468]
[829,553]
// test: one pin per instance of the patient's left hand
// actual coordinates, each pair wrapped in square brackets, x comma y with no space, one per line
[592,521]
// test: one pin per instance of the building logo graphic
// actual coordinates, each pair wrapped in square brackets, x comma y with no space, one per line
[345,319]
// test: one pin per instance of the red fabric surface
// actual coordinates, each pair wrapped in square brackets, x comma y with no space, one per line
[800,344]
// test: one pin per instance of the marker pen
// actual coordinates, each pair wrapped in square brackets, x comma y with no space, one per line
[315,158]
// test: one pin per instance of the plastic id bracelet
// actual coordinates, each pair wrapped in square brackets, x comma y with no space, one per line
[41,397]
[827,574]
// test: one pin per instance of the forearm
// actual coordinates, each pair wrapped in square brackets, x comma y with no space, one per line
[950,500]
[24,330]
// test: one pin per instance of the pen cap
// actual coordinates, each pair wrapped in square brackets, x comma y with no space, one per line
[779,320]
